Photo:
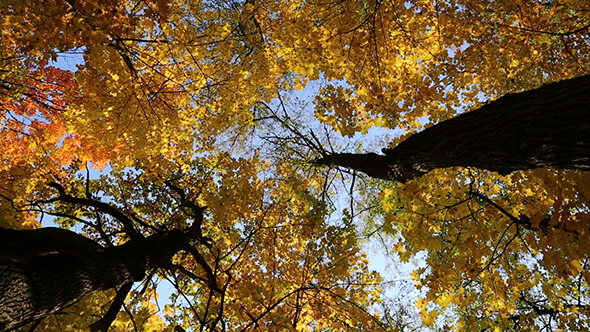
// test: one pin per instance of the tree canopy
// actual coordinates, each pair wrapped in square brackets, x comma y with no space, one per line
[212,123]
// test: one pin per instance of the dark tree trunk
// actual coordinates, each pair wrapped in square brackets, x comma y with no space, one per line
[37,287]
[548,127]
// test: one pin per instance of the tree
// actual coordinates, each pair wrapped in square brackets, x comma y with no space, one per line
[543,128]
[548,127]
[175,101]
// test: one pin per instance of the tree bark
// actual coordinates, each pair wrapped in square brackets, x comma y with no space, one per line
[548,127]
[35,288]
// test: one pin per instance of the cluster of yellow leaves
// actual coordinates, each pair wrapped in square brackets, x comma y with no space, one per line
[81,314]
[141,314]
[409,59]
[175,75]
[517,247]
[152,68]
[282,265]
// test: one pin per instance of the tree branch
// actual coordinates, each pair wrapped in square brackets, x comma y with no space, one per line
[105,322]
[194,232]
[548,127]
[211,280]
[101,206]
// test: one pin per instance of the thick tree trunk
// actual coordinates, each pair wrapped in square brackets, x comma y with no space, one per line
[35,288]
[548,127]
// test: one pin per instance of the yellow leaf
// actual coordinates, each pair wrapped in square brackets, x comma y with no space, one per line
[575,267]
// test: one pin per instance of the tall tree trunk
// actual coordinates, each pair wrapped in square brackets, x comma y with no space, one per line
[35,288]
[548,127]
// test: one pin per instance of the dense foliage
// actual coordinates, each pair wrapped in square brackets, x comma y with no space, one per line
[188,104]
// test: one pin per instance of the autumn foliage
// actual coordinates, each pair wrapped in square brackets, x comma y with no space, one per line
[205,118]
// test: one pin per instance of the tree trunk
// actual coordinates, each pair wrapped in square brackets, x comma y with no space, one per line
[35,288]
[548,127]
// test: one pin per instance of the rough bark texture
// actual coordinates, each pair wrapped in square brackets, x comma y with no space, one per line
[36,288]
[548,127]
[22,245]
